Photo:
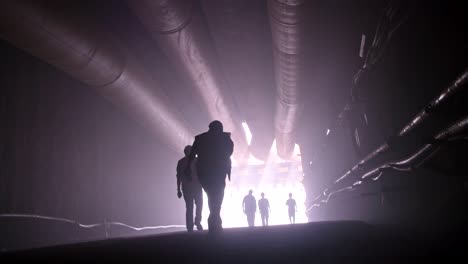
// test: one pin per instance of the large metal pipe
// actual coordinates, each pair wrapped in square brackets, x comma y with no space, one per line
[179,29]
[457,129]
[69,44]
[286,27]
[405,164]
[437,102]
[446,95]
[366,168]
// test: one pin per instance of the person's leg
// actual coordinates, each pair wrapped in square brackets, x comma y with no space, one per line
[209,194]
[263,219]
[199,208]
[266,219]
[188,198]
[208,188]
[217,202]
[250,220]
[215,193]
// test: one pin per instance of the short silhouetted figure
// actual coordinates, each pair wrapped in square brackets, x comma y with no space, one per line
[264,207]
[249,205]
[213,149]
[292,209]
[192,191]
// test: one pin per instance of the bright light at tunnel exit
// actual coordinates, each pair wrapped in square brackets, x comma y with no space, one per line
[275,177]
[247,132]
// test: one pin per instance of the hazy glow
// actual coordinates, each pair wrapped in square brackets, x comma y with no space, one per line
[276,178]
[234,162]
[254,161]
[247,132]
[250,161]
[328,132]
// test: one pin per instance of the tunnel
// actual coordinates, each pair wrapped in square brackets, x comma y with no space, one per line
[355,110]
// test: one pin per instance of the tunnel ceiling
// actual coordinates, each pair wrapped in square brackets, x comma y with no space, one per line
[245,56]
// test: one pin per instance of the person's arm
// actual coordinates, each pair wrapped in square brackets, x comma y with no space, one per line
[230,150]
[178,175]
[229,170]
[193,153]
[231,147]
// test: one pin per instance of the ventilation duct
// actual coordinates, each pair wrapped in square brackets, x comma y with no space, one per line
[179,29]
[286,27]
[67,43]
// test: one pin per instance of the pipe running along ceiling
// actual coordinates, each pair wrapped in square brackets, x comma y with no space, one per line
[70,45]
[286,20]
[179,29]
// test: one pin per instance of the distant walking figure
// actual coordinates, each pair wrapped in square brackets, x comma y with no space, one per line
[264,207]
[249,205]
[214,149]
[191,189]
[292,209]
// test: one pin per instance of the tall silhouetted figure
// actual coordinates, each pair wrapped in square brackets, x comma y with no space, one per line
[249,205]
[292,209]
[264,207]
[213,149]
[191,189]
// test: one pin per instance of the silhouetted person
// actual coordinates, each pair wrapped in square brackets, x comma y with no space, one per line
[191,189]
[213,149]
[264,207]
[249,205]
[292,209]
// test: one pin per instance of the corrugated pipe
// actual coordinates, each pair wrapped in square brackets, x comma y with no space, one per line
[179,29]
[286,27]
[70,45]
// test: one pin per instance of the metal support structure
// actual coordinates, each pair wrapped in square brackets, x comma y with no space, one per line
[364,169]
